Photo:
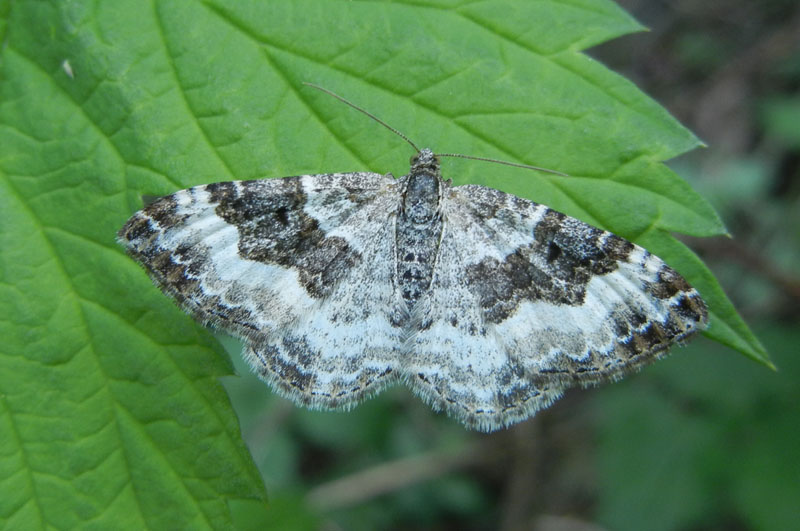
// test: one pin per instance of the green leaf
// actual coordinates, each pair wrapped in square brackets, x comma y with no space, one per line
[112,415]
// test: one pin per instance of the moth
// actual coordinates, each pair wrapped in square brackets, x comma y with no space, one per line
[488,306]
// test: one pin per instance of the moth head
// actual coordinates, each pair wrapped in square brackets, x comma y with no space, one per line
[425,160]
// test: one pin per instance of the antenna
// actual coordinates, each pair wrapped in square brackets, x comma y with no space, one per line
[404,137]
[359,109]
[515,164]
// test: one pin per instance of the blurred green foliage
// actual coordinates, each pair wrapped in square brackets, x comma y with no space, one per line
[702,441]
[699,441]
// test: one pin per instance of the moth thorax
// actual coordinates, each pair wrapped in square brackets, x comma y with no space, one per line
[421,201]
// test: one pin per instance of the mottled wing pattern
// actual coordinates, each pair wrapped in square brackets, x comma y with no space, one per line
[526,302]
[487,305]
[295,266]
